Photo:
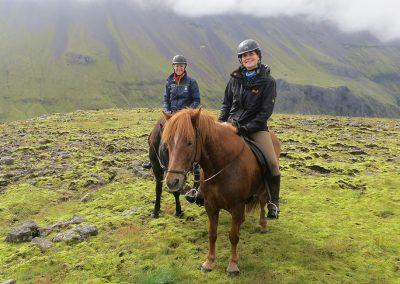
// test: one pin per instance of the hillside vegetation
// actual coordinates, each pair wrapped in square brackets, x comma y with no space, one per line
[339,221]
[60,56]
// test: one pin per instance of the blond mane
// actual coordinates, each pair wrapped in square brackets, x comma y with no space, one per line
[181,123]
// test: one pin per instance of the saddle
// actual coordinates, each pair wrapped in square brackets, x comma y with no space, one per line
[262,160]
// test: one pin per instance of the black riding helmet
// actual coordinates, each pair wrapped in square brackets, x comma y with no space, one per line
[179,59]
[247,46]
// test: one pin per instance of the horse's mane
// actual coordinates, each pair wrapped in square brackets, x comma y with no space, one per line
[182,123]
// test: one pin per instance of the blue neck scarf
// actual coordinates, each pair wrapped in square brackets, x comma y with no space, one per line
[250,74]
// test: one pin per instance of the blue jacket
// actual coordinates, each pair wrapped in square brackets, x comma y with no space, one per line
[177,97]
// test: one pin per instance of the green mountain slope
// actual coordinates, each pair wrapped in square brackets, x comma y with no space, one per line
[58,57]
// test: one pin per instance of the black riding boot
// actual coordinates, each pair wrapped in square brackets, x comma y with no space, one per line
[274,188]
[194,196]
[196,174]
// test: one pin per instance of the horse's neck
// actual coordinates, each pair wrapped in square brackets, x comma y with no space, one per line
[220,149]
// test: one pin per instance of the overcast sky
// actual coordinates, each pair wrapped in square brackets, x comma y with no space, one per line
[380,17]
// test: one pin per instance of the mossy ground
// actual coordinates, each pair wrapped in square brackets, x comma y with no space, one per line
[340,219]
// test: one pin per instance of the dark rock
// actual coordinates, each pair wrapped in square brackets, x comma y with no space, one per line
[112,175]
[385,214]
[23,233]
[6,161]
[85,231]
[357,152]
[319,169]
[86,198]
[44,141]
[42,244]
[94,180]
[75,58]
[63,224]
[64,155]
[11,281]
[68,237]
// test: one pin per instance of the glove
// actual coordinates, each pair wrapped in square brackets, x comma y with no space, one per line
[240,130]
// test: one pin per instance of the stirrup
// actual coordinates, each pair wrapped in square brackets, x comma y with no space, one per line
[273,213]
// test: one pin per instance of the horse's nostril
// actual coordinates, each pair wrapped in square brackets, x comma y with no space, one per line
[175,183]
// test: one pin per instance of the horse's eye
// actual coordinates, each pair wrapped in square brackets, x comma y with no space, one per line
[190,143]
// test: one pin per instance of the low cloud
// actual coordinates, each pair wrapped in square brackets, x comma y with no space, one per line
[379,17]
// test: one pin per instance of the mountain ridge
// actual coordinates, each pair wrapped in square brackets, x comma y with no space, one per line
[130,49]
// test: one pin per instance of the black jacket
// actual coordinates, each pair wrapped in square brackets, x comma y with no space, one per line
[249,103]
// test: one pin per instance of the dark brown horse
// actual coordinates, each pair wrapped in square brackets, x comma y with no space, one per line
[159,161]
[231,178]
[157,164]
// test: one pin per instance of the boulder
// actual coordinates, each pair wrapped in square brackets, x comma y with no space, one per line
[23,233]
[42,243]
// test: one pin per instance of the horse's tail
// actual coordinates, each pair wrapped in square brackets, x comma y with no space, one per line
[252,204]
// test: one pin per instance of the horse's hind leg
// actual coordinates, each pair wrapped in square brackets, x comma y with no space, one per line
[263,219]
[178,209]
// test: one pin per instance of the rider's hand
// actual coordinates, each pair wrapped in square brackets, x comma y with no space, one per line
[240,130]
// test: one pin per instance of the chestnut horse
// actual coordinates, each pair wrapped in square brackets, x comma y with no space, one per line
[231,177]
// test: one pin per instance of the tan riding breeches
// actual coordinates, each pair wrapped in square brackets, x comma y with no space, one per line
[263,138]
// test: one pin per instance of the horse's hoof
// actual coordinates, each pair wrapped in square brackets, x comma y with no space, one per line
[154,215]
[233,273]
[179,215]
[264,230]
[205,269]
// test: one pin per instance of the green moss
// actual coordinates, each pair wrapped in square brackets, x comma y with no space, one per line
[337,226]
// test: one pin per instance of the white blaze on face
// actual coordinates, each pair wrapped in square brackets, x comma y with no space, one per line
[176,139]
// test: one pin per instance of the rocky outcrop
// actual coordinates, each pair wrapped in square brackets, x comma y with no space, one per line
[307,99]
[30,231]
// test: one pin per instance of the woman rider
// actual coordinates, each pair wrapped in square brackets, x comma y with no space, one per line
[248,103]
[181,91]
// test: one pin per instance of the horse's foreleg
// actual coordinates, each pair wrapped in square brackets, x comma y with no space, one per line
[237,219]
[178,209]
[213,215]
[157,204]
[263,219]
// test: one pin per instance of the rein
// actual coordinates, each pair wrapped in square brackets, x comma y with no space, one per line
[220,171]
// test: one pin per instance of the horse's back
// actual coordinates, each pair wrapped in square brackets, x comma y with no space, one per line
[155,134]
[277,144]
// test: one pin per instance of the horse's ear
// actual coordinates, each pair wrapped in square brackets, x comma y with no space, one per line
[196,117]
[166,115]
